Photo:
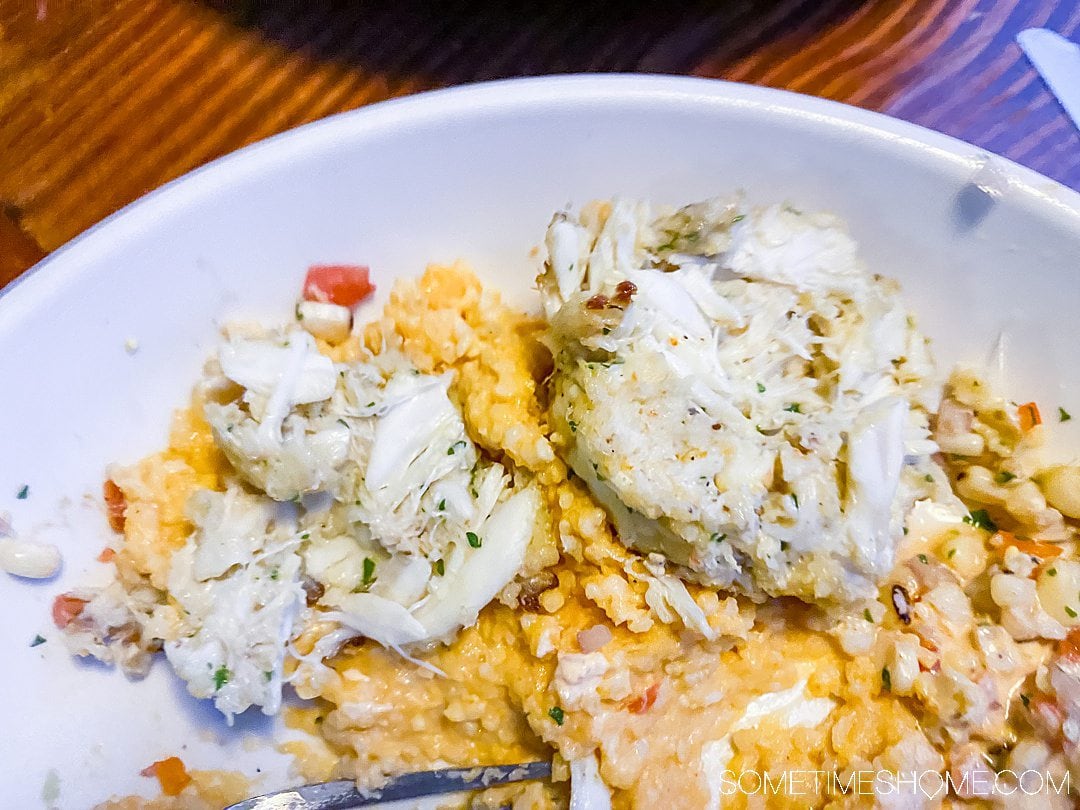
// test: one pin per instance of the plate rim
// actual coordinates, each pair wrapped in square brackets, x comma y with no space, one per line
[35,285]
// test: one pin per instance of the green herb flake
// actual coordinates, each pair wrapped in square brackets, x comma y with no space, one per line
[572,425]
[557,714]
[1003,477]
[867,615]
[886,679]
[795,498]
[458,445]
[981,519]
[442,505]
[924,559]
[784,545]
[738,218]
[952,553]
[794,407]
[760,388]
[23,493]
[1063,415]
[928,478]
[717,537]
[474,539]
[1072,613]
[305,535]
[268,676]
[274,574]
[1051,572]
[440,568]
[1025,700]
[369,570]
[296,311]
[38,641]
[221,677]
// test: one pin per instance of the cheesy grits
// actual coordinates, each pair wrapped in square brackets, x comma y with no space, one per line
[712,513]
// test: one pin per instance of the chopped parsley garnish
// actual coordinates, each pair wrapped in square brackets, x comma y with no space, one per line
[952,553]
[981,519]
[928,478]
[458,445]
[1003,477]
[474,539]
[738,218]
[923,559]
[440,567]
[784,545]
[442,505]
[371,404]
[369,570]
[794,407]
[572,425]
[1025,700]
[557,714]
[717,537]
[305,535]
[886,679]
[221,677]
[23,493]
[606,330]
[760,388]
[343,423]
[1051,572]
[297,312]
[38,641]
[1063,415]
[268,675]
[795,498]
[1071,612]
[867,615]
[274,573]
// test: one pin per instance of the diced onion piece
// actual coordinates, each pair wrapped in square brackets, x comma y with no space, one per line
[594,638]
[329,322]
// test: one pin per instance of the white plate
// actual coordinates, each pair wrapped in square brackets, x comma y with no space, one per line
[473,173]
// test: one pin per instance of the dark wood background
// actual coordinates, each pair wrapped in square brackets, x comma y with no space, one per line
[102,101]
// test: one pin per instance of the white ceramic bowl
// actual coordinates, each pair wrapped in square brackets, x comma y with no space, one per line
[473,173]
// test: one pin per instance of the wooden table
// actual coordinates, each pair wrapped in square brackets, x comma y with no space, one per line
[103,101]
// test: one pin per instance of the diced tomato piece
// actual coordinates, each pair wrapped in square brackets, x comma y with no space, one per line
[170,773]
[1033,548]
[107,555]
[642,703]
[115,504]
[343,284]
[1029,416]
[66,608]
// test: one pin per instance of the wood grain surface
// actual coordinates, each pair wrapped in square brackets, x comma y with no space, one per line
[102,101]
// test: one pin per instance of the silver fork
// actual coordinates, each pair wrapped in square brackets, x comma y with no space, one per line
[344,794]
